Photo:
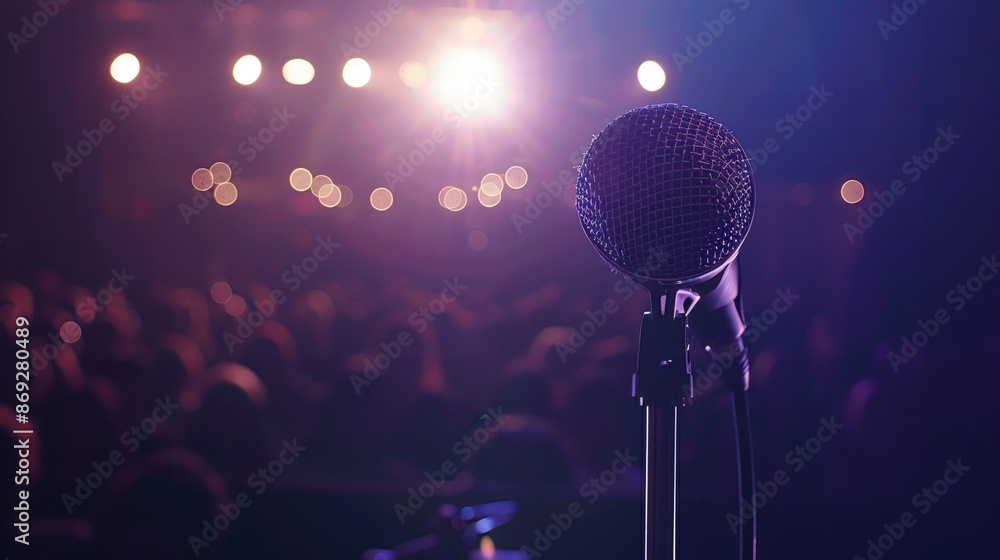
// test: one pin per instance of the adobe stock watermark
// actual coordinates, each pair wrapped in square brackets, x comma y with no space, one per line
[757,325]
[592,491]
[87,310]
[223,7]
[553,190]
[419,320]
[463,449]
[789,124]
[293,277]
[696,44]
[914,168]
[923,501]
[364,34]
[121,107]
[132,439]
[250,148]
[796,459]
[229,513]
[454,118]
[561,12]
[898,17]
[958,297]
[30,26]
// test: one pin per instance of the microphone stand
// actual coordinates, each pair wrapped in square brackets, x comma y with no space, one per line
[662,383]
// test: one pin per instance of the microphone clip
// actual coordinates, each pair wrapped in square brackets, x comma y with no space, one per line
[663,373]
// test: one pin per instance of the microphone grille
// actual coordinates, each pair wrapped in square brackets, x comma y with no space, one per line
[665,194]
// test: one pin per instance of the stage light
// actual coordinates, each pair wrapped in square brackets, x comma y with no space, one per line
[318,183]
[357,72]
[300,179]
[413,74]
[332,197]
[225,194]
[201,179]
[469,82]
[246,70]
[125,68]
[298,71]
[221,172]
[651,76]
[221,292]
[490,185]
[381,199]
[516,177]
[852,191]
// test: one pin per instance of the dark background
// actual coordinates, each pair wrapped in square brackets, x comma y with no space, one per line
[496,346]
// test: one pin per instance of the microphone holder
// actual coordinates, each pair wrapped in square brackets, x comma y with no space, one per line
[662,383]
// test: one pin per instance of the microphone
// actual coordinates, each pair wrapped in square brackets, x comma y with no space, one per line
[666,196]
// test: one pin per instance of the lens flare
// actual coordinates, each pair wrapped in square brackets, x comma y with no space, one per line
[413,74]
[318,183]
[491,185]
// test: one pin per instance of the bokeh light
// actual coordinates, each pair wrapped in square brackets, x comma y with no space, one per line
[357,72]
[453,198]
[235,306]
[516,177]
[413,74]
[651,76]
[247,69]
[70,332]
[491,185]
[478,240]
[300,178]
[346,196]
[298,71]
[852,191]
[489,200]
[381,199]
[318,182]
[221,172]
[221,291]
[225,193]
[124,68]
[332,197]
[202,179]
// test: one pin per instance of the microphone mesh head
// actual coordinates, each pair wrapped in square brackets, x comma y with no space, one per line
[666,194]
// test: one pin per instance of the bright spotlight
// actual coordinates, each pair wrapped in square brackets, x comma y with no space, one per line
[246,70]
[469,81]
[651,76]
[298,72]
[357,72]
[125,68]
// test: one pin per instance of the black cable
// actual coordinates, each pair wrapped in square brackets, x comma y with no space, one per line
[744,465]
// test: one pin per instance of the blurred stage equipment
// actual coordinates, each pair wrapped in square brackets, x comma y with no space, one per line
[666,196]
